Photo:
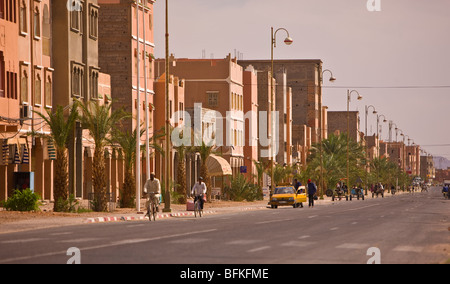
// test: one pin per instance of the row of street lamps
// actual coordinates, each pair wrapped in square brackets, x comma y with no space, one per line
[288,41]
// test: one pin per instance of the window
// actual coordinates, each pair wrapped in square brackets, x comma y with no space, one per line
[2,75]
[93,22]
[37,23]
[150,21]
[77,80]
[75,12]
[213,99]
[23,17]
[11,81]
[2,9]
[94,83]
[24,84]
[80,17]
[37,90]
[48,89]
[8,10]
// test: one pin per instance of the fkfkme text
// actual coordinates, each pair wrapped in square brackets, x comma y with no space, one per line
[226,274]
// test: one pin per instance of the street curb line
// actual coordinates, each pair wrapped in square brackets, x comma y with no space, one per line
[159,216]
[134,218]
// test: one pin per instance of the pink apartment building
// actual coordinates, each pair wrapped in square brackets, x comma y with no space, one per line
[26,80]
[118,56]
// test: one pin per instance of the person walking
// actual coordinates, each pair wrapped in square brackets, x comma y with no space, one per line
[312,191]
[297,186]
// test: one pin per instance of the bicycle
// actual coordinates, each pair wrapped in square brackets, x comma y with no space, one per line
[151,208]
[198,207]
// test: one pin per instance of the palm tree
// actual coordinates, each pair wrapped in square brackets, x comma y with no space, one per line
[334,160]
[261,168]
[205,151]
[100,121]
[181,187]
[127,142]
[61,129]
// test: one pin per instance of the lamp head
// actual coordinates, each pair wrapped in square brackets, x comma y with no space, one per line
[288,41]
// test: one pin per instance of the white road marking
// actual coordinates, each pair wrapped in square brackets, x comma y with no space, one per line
[272,221]
[22,241]
[189,241]
[298,244]
[304,237]
[61,234]
[334,229]
[258,249]
[408,249]
[81,240]
[353,246]
[243,242]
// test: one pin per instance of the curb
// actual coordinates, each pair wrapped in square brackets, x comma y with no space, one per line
[140,218]
[159,216]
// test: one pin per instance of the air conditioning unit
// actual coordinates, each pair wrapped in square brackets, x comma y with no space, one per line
[26,111]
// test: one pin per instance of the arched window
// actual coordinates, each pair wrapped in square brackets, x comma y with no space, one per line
[37,90]
[23,17]
[37,23]
[46,25]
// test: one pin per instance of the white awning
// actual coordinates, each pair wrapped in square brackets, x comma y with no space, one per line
[218,166]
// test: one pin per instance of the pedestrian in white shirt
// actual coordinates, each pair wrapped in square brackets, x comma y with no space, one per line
[199,191]
[153,190]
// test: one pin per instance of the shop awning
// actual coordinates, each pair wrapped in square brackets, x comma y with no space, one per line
[218,166]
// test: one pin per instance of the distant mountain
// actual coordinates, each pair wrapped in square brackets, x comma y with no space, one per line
[441,163]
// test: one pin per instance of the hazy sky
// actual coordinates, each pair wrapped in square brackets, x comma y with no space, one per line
[406,44]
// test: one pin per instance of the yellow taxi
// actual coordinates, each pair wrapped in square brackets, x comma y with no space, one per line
[287,196]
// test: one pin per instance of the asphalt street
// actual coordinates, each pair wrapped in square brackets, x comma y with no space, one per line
[406,228]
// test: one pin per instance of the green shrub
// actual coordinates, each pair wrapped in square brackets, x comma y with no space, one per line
[241,190]
[23,200]
[67,205]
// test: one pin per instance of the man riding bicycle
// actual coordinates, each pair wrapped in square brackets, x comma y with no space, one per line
[198,191]
[153,190]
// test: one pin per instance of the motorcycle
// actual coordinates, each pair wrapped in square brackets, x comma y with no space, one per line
[339,193]
[446,194]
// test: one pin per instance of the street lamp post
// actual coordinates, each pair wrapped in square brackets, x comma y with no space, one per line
[138,117]
[321,129]
[349,94]
[378,132]
[367,147]
[273,44]
[167,116]
[378,143]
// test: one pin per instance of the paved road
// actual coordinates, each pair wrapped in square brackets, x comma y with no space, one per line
[407,228]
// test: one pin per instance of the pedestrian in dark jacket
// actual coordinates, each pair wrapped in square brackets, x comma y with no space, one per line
[312,190]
